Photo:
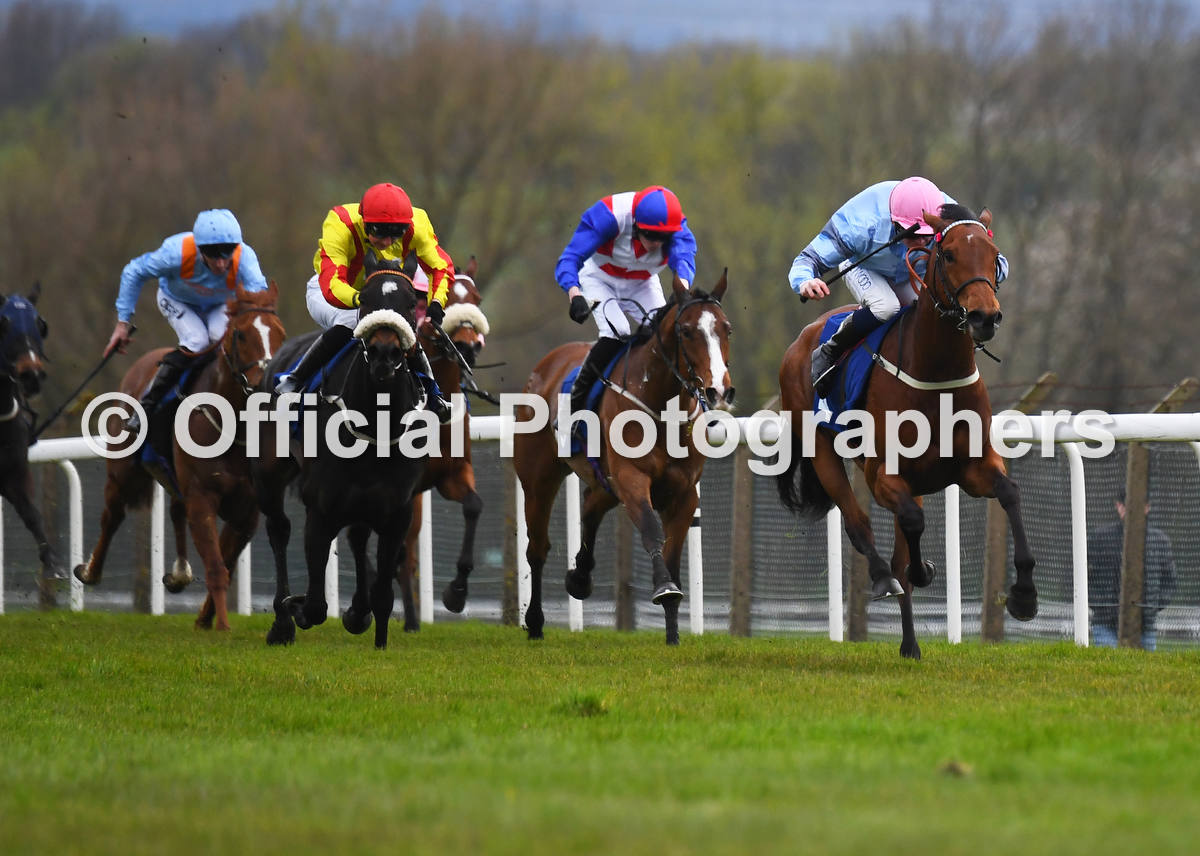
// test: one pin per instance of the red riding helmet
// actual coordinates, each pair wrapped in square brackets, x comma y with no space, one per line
[657,209]
[386,203]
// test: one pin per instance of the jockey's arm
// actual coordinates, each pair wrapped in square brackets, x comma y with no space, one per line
[432,257]
[597,226]
[682,258]
[332,263]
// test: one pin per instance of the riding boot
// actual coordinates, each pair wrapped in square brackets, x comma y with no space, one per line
[593,366]
[320,352]
[418,363]
[854,328]
[174,364]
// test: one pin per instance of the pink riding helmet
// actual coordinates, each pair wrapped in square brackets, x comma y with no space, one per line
[912,196]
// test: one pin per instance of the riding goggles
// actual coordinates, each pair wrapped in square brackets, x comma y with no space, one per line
[217,251]
[386,230]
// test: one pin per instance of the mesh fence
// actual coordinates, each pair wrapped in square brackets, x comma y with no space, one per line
[789,576]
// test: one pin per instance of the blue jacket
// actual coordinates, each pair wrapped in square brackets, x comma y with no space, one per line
[861,226]
[202,290]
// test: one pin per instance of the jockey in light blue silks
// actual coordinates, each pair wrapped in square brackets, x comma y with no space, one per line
[197,273]
[880,285]
[612,264]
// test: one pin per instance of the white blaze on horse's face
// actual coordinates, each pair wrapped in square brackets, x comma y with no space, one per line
[389,288]
[460,291]
[716,362]
[265,332]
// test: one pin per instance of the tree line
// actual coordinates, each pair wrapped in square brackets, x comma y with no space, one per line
[1081,137]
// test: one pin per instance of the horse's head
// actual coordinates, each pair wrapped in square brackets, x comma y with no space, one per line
[387,303]
[694,329]
[22,331]
[961,277]
[465,323]
[253,335]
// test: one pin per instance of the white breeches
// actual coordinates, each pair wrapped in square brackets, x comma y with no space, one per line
[873,291]
[196,326]
[325,313]
[616,297]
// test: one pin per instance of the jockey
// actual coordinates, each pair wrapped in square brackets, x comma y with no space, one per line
[612,263]
[197,272]
[386,224]
[881,286]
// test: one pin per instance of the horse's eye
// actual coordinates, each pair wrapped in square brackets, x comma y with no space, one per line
[949,258]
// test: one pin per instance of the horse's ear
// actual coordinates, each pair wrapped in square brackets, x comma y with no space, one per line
[678,287]
[472,266]
[35,292]
[985,217]
[719,289]
[935,221]
[273,292]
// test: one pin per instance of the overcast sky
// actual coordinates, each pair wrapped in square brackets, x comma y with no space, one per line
[641,23]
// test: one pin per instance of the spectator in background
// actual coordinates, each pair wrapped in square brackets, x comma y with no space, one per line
[1105,551]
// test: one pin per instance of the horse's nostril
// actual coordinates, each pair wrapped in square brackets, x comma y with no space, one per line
[711,395]
[729,395]
[997,318]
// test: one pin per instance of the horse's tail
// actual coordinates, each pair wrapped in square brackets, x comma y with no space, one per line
[805,496]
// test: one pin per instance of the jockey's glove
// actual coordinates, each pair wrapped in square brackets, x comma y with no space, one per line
[435,312]
[579,311]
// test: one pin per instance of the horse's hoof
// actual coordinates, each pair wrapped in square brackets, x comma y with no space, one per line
[912,652]
[666,593]
[454,597]
[295,605]
[673,638]
[923,575]
[1022,602]
[415,627]
[534,635]
[354,622]
[887,587]
[81,574]
[55,573]
[173,584]
[281,633]
[579,586]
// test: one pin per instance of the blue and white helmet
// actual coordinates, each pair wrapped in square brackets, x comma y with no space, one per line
[216,226]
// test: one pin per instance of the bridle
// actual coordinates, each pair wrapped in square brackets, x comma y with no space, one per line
[693,384]
[943,294]
[237,369]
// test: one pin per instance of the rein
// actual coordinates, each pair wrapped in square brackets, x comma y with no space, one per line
[946,303]
[239,369]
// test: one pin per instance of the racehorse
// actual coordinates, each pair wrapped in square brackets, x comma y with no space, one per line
[367,489]
[686,354]
[930,352]
[202,488]
[464,332]
[22,370]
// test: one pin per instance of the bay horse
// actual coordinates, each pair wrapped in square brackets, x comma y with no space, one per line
[466,329]
[203,488]
[366,490]
[930,352]
[685,354]
[22,371]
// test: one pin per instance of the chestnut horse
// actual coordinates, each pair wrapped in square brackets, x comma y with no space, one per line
[929,353]
[465,328]
[207,487]
[22,370]
[685,354]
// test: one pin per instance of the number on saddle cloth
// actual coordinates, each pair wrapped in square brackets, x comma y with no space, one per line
[850,376]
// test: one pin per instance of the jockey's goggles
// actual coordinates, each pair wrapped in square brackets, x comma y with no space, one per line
[217,251]
[651,235]
[386,230]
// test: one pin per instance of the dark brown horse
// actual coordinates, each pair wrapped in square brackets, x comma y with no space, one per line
[929,353]
[686,354]
[22,370]
[208,488]
[466,329]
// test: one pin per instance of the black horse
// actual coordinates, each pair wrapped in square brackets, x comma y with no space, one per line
[370,489]
[22,370]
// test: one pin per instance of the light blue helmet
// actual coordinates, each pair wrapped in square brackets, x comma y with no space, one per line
[216,226]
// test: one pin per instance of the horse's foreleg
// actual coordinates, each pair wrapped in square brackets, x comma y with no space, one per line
[279,532]
[633,489]
[181,573]
[894,494]
[318,539]
[461,489]
[541,473]
[412,621]
[596,503]
[901,564]
[19,491]
[202,521]
[236,535]
[678,524]
[357,617]
[987,478]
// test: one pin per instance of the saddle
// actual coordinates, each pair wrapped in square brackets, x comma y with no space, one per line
[852,374]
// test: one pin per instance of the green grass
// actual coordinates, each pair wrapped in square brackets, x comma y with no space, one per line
[131,734]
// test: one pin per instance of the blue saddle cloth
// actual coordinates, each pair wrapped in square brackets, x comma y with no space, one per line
[318,377]
[157,453]
[579,434]
[849,384]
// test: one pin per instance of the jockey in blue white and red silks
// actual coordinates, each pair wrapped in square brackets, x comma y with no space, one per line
[611,267]
[197,272]
[880,285]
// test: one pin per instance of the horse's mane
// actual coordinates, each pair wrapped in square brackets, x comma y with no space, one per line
[672,301]
[251,300]
[953,211]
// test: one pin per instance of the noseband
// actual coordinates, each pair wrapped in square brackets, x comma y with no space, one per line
[692,384]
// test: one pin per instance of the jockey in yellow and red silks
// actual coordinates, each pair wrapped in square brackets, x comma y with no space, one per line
[385,223]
